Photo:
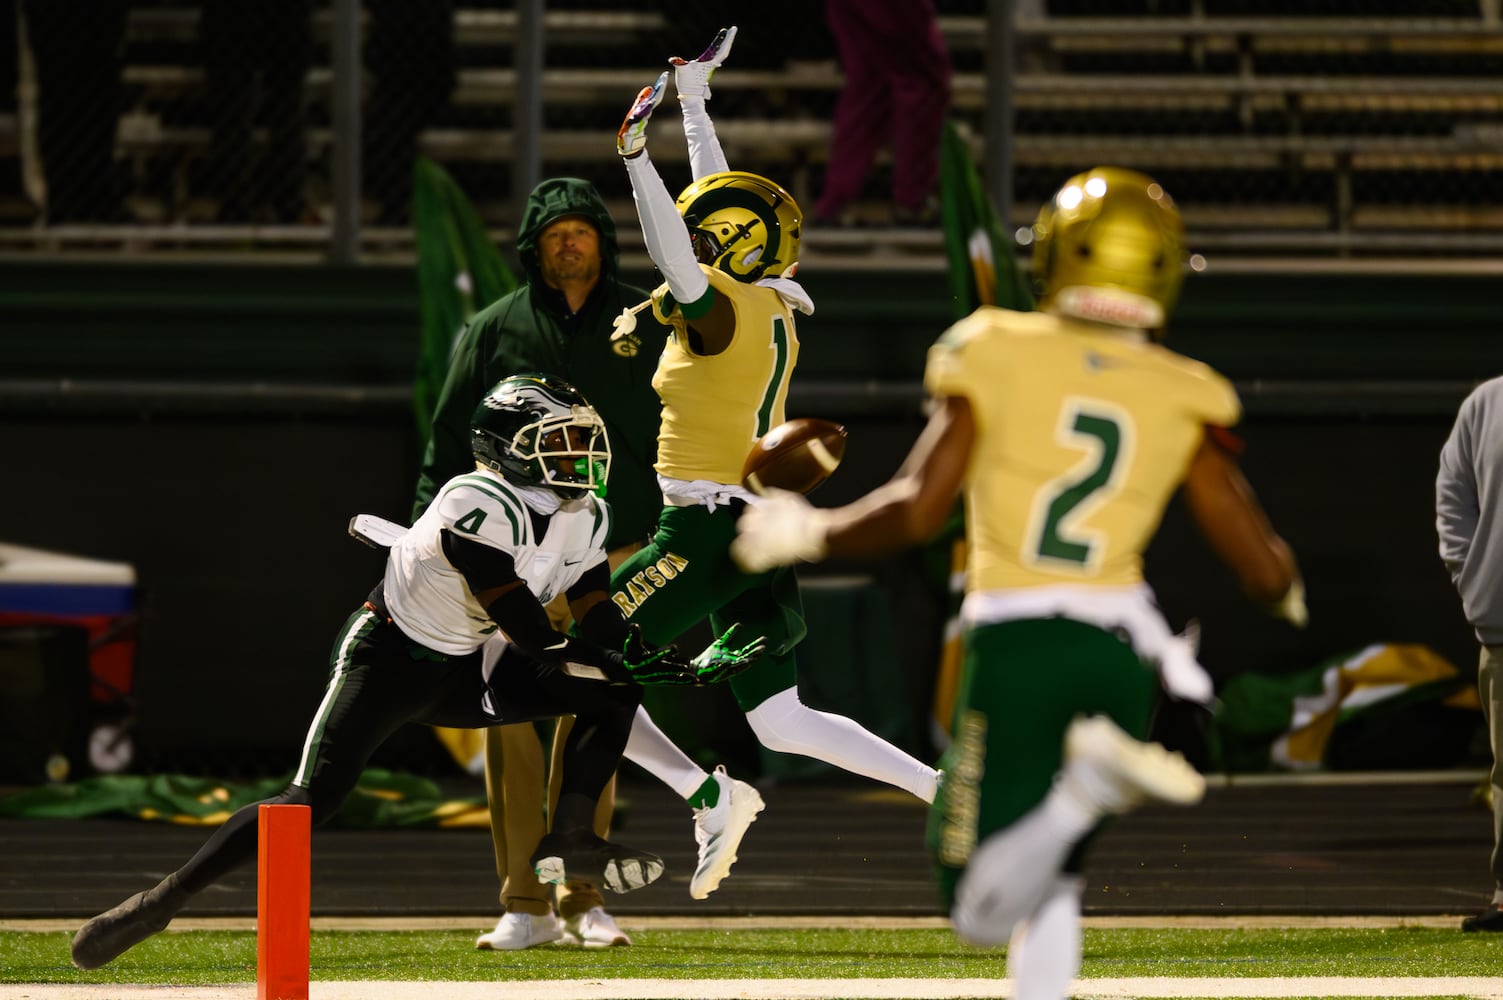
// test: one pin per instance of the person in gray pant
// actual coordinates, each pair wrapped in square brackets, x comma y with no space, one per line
[1468,504]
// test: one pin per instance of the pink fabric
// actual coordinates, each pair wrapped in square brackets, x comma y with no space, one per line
[897,90]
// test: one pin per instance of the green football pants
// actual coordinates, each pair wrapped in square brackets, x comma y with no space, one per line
[1023,682]
[685,574]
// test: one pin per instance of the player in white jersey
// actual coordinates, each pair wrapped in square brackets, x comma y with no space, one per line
[493,546]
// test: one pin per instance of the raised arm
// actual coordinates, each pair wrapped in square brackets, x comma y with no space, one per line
[691,78]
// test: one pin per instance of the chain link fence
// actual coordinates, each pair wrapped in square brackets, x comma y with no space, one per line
[1282,126]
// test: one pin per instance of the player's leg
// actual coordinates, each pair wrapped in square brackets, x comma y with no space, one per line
[373,689]
[1043,955]
[668,587]
[768,693]
[581,905]
[592,752]
[681,575]
[519,692]
[1042,754]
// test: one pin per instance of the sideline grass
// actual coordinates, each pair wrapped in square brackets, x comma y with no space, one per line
[190,958]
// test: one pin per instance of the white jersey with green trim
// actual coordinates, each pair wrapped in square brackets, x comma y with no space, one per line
[428,598]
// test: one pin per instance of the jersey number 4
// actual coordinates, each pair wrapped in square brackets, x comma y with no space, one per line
[1104,433]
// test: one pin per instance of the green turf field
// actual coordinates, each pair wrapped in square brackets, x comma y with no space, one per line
[213,957]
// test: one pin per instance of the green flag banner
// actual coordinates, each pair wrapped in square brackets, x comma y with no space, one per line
[983,271]
[983,267]
[460,271]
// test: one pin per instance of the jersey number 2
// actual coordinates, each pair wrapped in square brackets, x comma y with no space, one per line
[1065,499]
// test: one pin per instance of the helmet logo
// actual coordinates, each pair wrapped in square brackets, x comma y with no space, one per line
[736,227]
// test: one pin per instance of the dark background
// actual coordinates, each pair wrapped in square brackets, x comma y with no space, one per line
[216,428]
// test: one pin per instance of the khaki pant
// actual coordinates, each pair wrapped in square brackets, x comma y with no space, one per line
[1490,687]
[517,795]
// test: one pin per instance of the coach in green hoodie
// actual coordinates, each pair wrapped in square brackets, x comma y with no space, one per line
[559,322]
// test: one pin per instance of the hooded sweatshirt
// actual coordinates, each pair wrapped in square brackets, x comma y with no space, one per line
[530,331]
[1469,509]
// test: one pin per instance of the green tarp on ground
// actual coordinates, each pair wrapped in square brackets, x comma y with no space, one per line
[1387,706]
[381,799]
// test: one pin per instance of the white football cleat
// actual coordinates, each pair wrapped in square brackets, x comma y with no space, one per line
[1124,772]
[718,830]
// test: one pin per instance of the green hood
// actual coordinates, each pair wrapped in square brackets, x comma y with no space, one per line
[552,200]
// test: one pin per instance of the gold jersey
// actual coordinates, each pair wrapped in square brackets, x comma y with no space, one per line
[716,407]
[1083,433]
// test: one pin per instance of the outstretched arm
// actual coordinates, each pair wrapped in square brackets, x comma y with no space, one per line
[691,78]
[908,509]
[1229,516]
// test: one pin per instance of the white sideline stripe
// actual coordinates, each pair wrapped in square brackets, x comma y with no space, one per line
[646,922]
[791,989]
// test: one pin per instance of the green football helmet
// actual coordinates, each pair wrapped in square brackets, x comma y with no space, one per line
[537,430]
[743,224]
[1109,247]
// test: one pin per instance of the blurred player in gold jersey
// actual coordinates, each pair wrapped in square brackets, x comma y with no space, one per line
[1067,430]
[728,250]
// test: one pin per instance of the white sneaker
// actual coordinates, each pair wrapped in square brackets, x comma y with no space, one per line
[515,931]
[718,830]
[594,928]
[1123,772]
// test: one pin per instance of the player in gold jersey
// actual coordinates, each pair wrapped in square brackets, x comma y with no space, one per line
[1067,431]
[728,251]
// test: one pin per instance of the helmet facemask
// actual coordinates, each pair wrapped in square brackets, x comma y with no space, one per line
[541,432]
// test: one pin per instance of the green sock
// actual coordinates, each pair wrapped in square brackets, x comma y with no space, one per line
[706,795]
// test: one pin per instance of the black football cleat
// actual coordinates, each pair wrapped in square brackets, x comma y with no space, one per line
[583,857]
[1490,919]
[117,930]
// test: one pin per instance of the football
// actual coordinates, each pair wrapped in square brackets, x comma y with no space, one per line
[797,455]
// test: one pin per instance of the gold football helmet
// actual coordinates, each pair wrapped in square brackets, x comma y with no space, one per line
[1109,247]
[743,224]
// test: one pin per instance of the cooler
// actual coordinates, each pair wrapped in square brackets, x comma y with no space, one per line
[49,588]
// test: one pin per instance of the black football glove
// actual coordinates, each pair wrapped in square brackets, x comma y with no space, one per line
[720,660]
[651,665]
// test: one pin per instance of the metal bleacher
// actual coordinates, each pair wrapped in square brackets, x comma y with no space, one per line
[1285,126]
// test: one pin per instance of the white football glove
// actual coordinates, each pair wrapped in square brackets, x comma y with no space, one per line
[692,78]
[780,529]
[632,138]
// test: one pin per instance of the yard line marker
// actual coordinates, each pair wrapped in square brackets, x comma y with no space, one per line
[283,890]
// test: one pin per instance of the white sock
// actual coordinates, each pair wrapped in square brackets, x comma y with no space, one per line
[650,748]
[1012,872]
[1043,957]
[1082,795]
[787,725]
